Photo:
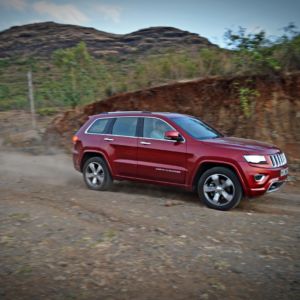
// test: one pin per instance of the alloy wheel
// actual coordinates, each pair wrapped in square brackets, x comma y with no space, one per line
[94,174]
[219,189]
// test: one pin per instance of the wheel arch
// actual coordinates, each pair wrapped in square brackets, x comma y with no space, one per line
[92,153]
[206,165]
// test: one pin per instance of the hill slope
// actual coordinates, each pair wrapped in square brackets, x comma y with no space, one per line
[41,39]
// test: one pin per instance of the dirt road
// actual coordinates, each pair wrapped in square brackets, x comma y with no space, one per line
[59,240]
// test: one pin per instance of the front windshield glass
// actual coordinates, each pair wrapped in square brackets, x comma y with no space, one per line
[196,128]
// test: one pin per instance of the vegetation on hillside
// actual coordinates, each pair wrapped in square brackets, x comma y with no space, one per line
[73,77]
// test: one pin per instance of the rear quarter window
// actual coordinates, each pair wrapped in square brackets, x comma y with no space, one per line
[98,127]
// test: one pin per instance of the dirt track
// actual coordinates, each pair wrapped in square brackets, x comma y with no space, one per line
[59,240]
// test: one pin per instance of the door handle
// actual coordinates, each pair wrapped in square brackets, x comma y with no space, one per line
[108,139]
[145,143]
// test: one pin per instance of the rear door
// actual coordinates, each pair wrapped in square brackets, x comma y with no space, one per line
[122,149]
[160,159]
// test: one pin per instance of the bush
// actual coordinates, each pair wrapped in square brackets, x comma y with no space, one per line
[48,111]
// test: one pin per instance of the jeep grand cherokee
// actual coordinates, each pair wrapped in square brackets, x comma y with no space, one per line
[176,150]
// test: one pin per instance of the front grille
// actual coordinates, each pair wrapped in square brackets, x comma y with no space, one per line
[278,160]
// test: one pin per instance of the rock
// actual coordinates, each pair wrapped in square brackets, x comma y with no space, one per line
[169,203]
[236,270]
[204,297]
[62,263]
[59,278]
[218,286]
[160,230]
[50,266]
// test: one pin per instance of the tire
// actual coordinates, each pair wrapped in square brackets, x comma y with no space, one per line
[219,188]
[96,174]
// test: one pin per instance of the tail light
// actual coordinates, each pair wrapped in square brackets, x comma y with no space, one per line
[75,139]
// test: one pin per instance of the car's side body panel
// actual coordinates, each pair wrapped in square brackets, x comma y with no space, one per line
[162,160]
[122,153]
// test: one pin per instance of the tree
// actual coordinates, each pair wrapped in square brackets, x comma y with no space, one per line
[77,77]
[253,51]
[288,48]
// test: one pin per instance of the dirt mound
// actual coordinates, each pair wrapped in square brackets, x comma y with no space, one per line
[274,107]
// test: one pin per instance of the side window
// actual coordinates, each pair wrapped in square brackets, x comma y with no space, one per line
[125,126]
[155,128]
[98,126]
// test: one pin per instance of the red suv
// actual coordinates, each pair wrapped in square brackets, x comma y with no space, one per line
[176,150]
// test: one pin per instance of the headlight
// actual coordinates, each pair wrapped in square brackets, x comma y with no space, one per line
[255,159]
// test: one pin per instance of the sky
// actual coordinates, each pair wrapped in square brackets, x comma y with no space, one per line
[209,18]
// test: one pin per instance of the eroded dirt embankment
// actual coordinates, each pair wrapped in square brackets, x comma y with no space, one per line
[275,108]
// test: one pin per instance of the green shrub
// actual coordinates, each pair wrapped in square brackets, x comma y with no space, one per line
[47,111]
[247,96]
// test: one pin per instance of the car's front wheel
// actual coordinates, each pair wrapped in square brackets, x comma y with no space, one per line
[220,188]
[96,174]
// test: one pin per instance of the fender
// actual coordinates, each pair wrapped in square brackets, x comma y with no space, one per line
[230,163]
[102,154]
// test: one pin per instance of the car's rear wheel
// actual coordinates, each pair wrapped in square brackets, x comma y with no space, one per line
[96,174]
[220,188]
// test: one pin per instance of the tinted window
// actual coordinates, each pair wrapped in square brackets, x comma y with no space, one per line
[98,126]
[196,128]
[125,126]
[155,128]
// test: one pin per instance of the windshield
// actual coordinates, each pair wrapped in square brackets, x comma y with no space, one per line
[196,128]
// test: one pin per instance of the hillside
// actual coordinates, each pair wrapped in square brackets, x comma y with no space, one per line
[41,39]
[73,65]
[274,110]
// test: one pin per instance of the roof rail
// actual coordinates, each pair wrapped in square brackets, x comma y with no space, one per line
[126,111]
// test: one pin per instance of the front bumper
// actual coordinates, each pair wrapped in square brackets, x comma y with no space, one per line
[271,182]
[275,186]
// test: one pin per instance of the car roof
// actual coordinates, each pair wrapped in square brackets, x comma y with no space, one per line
[138,114]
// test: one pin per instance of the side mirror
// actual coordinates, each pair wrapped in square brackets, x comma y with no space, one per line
[173,135]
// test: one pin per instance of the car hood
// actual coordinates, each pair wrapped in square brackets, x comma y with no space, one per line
[248,145]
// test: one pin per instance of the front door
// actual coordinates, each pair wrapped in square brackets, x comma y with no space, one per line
[160,159]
